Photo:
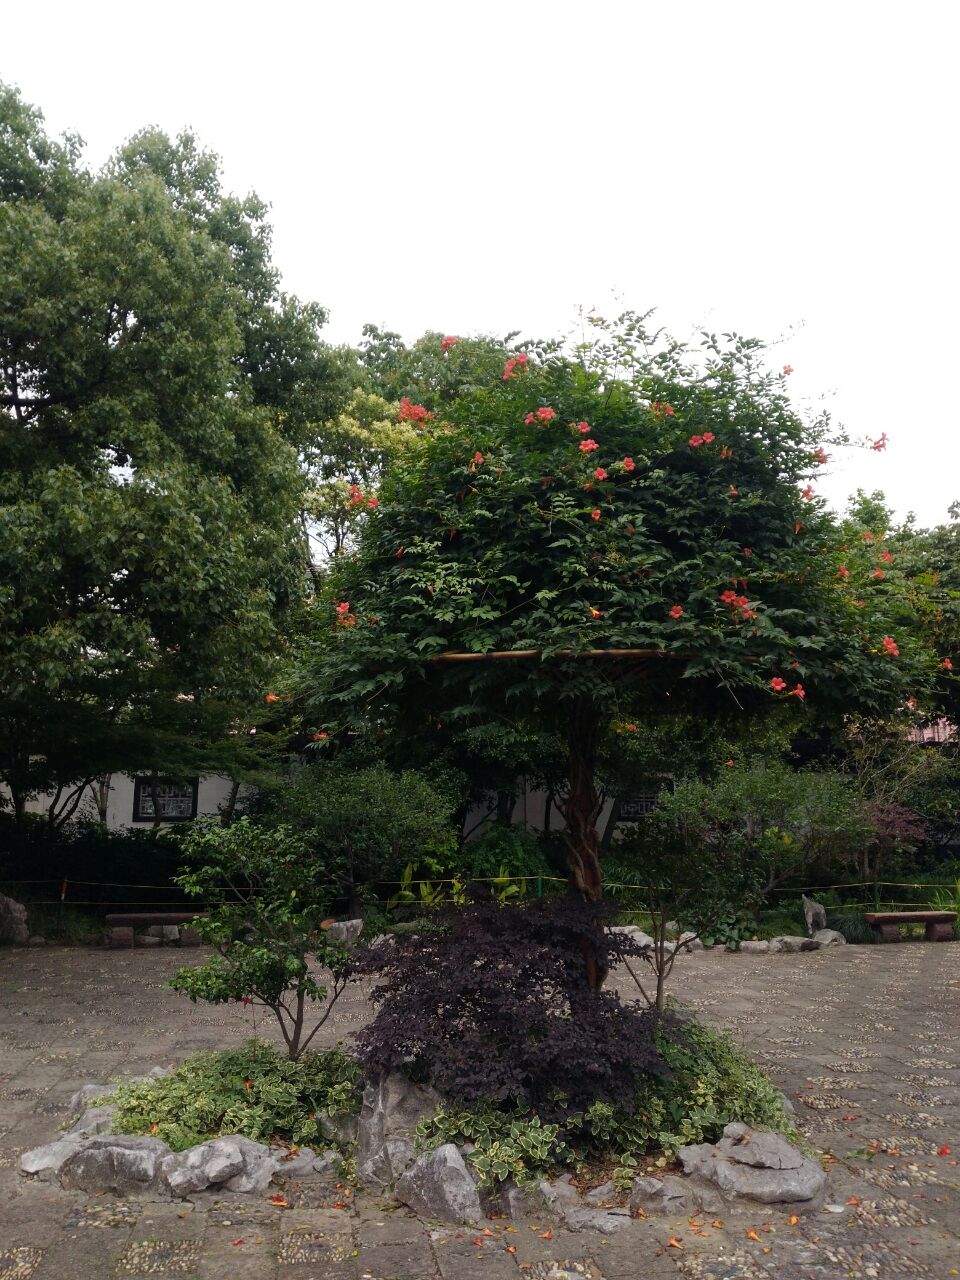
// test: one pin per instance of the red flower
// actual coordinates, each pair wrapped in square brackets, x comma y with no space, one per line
[272,697]
[600,474]
[808,493]
[583,428]
[726,452]
[890,646]
[448,342]
[797,691]
[734,491]
[630,728]
[588,446]
[546,414]
[596,513]
[355,497]
[373,503]
[676,611]
[886,557]
[728,596]
[400,551]
[867,536]
[729,764]
[748,551]
[878,574]
[843,572]
[320,737]
[797,526]
[343,607]
[596,613]
[944,1150]
[412,412]
[788,369]
[695,442]
[819,456]
[947,664]
[880,444]
[663,409]
[528,420]
[478,457]
[629,464]
[777,684]
[515,362]
[708,437]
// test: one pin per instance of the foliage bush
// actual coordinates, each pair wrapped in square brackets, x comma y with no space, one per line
[710,1083]
[505,1015]
[267,902]
[850,922]
[252,1090]
[502,847]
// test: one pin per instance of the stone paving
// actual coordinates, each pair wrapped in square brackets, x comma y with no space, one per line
[866,1039]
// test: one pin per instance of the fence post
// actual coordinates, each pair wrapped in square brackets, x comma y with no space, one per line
[539,886]
[63,894]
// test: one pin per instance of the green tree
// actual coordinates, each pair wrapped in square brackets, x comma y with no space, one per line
[155,388]
[582,538]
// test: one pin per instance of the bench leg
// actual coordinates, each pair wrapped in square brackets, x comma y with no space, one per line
[121,935]
[939,932]
[890,933]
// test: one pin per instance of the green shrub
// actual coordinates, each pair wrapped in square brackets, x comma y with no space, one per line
[501,847]
[713,1083]
[850,922]
[253,1090]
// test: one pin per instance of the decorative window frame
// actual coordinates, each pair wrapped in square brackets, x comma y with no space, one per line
[143,785]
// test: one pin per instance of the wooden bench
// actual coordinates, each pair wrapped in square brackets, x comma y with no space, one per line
[122,924]
[887,924]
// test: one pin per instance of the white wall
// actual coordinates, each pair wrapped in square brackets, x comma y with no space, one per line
[212,793]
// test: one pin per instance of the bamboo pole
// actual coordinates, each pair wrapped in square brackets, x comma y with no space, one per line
[498,654]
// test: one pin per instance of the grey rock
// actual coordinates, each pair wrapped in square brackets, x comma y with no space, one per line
[298,1166]
[606,1221]
[44,1162]
[756,1166]
[520,1203]
[605,1194]
[35,940]
[206,1165]
[788,1108]
[792,944]
[158,1073]
[392,1108]
[86,1094]
[13,922]
[124,1165]
[341,1129]
[659,1195]
[690,942]
[146,940]
[829,938]
[632,931]
[328,1163]
[754,948]
[346,932]
[259,1166]
[170,932]
[560,1195]
[95,1120]
[439,1185]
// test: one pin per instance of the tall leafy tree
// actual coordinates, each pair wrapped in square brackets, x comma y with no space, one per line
[581,539]
[154,386]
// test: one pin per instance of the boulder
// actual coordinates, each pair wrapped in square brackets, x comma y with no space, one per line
[519,1203]
[560,1195]
[170,932]
[341,1128]
[35,940]
[829,938]
[690,942]
[13,922]
[300,1165]
[259,1166]
[346,932]
[207,1165]
[328,1163]
[754,948]
[146,940]
[44,1163]
[634,932]
[606,1221]
[94,1120]
[86,1094]
[392,1108]
[122,1164]
[659,1195]
[791,944]
[755,1165]
[605,1194]
[438,1185]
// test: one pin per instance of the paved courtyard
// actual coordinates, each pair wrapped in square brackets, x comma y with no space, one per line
[865,1039]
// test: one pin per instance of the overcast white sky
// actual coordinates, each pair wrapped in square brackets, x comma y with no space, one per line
[785,170]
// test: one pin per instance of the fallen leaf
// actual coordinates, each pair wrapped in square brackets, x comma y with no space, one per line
[511,1248]
[237,1242]
[794,1219]
[752,1235]
[546,1235]
[766,1249]
[944,1150]
[280,1201]
[717,1223]
[486,1232]
[848,1118]
[154,1128]
[478,1241]
[854,1200]
[674,1243]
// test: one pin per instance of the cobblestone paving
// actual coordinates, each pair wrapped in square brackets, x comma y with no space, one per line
[866,1039]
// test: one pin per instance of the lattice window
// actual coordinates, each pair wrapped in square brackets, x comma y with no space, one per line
[176,801]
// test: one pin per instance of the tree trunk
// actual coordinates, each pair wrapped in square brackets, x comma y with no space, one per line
[230,806]
[581,808]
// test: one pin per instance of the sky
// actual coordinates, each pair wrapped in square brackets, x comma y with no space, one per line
[785,171]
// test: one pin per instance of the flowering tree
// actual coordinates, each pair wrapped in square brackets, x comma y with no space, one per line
[636,528]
